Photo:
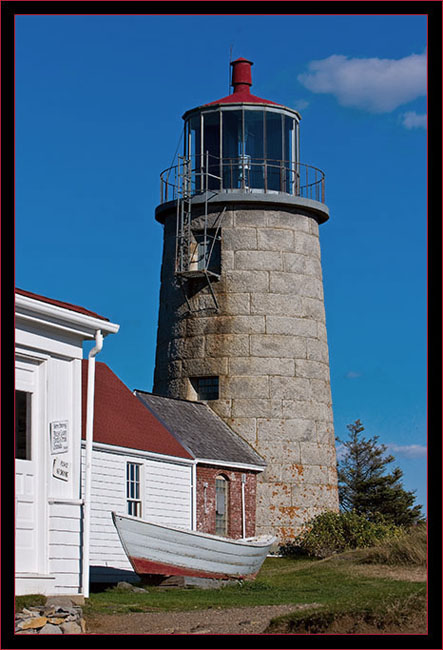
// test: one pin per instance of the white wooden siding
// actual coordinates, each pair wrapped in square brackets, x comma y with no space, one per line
[166,498]
[64,547]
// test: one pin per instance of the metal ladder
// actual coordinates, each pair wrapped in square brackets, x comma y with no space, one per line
[186,246]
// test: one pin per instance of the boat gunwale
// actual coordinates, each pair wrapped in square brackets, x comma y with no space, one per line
[267,540]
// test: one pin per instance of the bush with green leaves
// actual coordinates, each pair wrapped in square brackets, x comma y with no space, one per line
[333,532]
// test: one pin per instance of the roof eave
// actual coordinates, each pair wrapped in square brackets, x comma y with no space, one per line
[239,103]
[62,318]
[233,464]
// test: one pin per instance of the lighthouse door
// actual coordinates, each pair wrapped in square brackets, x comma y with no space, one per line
[28,468]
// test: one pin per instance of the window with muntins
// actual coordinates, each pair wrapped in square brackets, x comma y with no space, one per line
[205,387]
[133,489]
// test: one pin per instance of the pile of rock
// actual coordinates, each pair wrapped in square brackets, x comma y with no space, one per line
[57,616]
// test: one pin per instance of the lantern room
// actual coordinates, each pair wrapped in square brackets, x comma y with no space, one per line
[243,142]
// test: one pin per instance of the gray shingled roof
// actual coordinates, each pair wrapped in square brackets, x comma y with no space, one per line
[200,430]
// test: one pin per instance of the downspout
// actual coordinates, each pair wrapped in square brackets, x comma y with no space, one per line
[194,496]
[88,462]
[243,510]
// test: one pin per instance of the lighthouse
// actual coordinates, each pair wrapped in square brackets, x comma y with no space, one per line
[241,318]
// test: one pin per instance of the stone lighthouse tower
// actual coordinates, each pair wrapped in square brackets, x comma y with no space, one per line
[242,320]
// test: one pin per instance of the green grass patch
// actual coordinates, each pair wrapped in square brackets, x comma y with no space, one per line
[30,600]
[392,613]
[330,583]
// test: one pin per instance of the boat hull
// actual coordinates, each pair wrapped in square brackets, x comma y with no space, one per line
[157,549]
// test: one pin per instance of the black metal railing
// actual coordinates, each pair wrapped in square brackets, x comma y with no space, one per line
[242,173]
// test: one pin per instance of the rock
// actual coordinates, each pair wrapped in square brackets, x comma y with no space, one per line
[27,631]
[71,628]
[83,625]
[124,585]
[54,620]
[37,622]
[50,629]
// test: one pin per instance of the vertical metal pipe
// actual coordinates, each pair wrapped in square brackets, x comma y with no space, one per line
[88,462]
[243,506]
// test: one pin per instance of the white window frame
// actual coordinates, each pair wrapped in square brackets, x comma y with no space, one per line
[134,488]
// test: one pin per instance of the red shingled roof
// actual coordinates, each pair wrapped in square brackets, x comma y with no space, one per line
[121,419]
[58,303]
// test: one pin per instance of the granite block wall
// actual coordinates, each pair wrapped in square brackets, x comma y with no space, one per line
[267,343]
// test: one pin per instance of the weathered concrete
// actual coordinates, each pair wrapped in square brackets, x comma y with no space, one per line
[268,346]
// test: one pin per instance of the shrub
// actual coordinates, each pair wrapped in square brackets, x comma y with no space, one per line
[407,549]
[332,532]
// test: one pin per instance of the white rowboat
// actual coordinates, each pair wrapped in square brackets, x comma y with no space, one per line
[159,549]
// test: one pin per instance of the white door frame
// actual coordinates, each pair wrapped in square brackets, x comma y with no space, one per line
[37,466]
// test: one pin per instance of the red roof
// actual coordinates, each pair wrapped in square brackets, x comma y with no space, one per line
[241,81]
[58,303]
[121,419]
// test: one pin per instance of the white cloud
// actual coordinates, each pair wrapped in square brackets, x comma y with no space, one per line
[375,85]
[341,452]
[413,120]
[408,451]
[300,104]
[351,374]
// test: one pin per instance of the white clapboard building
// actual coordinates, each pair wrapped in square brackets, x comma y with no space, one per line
[138,468]
[49,336]
[85,446]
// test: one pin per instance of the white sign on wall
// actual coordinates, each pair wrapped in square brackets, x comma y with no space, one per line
[61,469]
[59,437]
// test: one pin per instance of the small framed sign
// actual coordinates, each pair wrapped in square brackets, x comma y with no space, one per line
[59,437]
[61,469]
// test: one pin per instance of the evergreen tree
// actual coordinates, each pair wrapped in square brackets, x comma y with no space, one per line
[365,487]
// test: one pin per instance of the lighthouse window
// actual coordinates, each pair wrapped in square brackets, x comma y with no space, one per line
[233,149]
[274,153]
[289,155]
[254,148]
[205,387]
[194,150]
[211,145]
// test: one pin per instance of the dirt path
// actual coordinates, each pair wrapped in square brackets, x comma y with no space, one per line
[244,620]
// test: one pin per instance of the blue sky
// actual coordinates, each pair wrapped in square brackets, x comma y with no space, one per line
[99,101]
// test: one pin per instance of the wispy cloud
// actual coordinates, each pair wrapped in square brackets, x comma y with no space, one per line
[352,374]
[413,120]
[301,104]
[408,451]
[376,85]
[341,452]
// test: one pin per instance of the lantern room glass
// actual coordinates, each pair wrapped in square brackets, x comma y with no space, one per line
[247,148]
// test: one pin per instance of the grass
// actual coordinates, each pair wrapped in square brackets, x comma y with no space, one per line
[330,584]
[346,596]
[409,549]
[30,600]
